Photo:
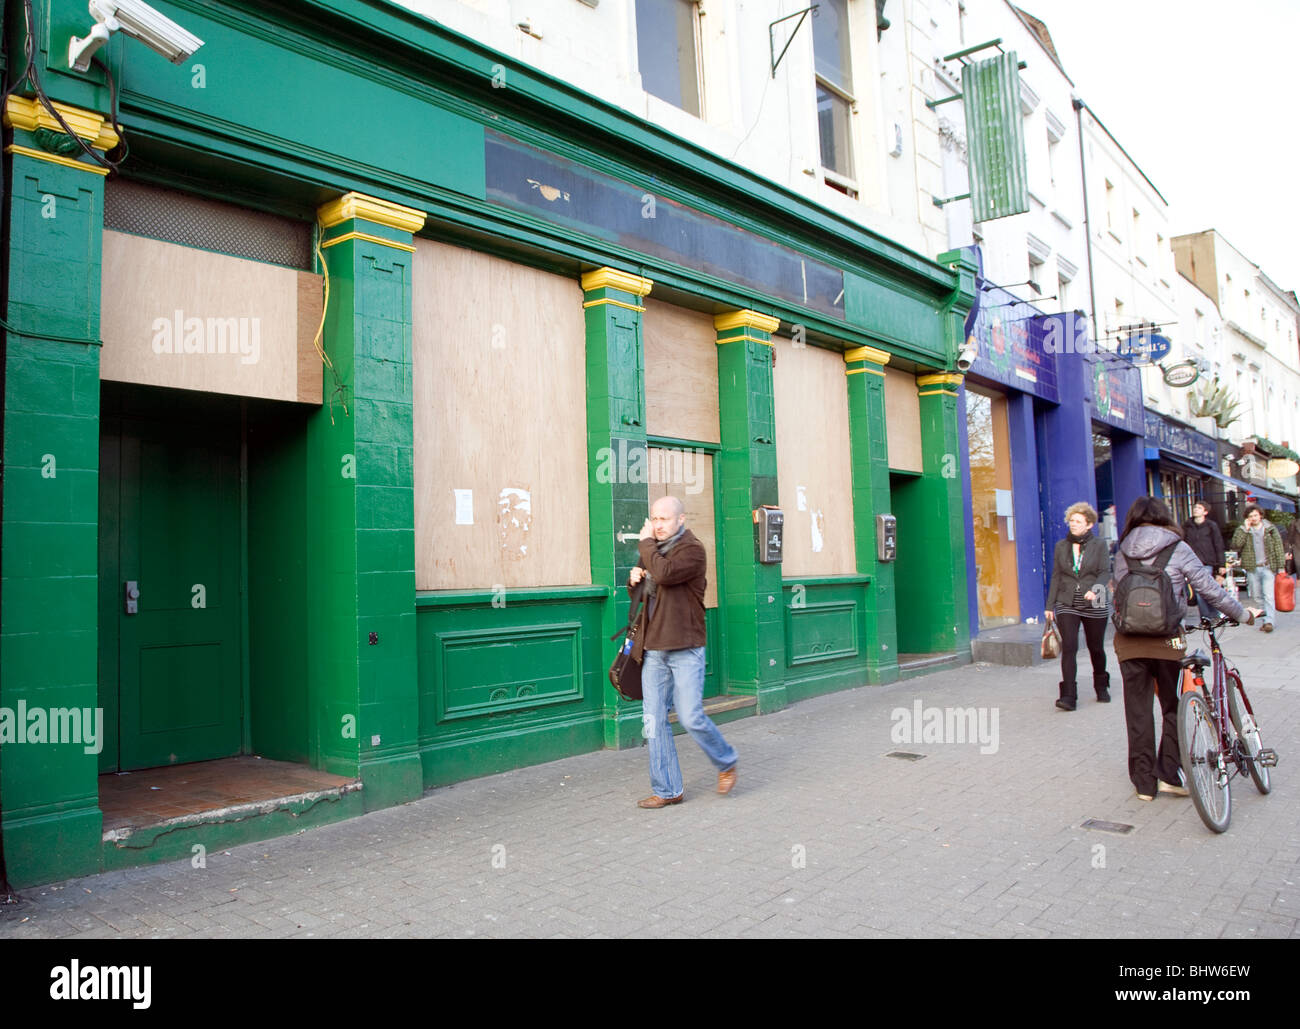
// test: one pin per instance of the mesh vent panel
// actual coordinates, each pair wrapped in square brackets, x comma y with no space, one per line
[206,224]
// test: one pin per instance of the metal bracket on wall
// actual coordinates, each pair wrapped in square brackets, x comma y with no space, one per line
[771,36]
[962,56]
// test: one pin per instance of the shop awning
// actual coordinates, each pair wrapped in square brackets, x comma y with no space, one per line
[1263,497]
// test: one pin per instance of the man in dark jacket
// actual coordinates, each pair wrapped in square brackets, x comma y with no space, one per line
[1202,534]
[673,564]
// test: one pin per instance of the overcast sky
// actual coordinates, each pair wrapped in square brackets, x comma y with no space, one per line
[1202,94]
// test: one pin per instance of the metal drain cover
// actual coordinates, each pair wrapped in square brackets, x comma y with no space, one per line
[1103,826]
[904,755]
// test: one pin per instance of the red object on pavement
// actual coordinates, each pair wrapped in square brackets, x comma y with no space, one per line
[1284,592]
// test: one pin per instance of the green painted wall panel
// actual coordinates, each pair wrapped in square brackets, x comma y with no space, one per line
[233,97]
[889,312]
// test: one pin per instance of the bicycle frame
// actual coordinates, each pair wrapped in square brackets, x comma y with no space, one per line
[1216,700]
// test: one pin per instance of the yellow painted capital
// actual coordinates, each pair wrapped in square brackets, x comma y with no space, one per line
[867,354]
[30,114]
[942,379]
[612,278]
[371,209]
[746,320]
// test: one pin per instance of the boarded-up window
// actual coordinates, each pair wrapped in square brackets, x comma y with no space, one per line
[500,424]
[813,465]
[681,373]
[688,476]
[903,420]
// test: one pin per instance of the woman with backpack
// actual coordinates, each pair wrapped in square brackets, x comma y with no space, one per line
[1076,599]
[1148,640]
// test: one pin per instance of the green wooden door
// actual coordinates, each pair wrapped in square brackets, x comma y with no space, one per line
[179,654]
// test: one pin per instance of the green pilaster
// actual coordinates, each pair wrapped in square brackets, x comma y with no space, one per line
[616,445]
[361,515]
[869,452]
[754,611]
[49,563]
[937,574]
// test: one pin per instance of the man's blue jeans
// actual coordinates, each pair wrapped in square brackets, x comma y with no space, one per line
[677,676]
[1260,586]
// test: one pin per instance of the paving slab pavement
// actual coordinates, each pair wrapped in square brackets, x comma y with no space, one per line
[825,835]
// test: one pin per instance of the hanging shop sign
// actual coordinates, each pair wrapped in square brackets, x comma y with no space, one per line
[1282,468]
[1180,375]
[1144,347]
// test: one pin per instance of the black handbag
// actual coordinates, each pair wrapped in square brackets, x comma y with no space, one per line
[625,672]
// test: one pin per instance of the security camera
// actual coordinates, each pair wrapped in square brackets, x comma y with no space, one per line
[139,21]
[966,357]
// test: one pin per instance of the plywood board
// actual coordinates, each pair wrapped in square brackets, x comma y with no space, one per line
[903,420]
[688,476]
[500,424]
[191,319]
[681,373]
[814,470]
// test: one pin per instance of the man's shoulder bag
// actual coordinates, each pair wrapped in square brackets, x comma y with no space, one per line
[1145,601]
[625,672]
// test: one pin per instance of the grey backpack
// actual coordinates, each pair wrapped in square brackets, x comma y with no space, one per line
[1146,603]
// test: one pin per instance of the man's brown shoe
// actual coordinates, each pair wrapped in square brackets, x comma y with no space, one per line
[727,780]
[657,801]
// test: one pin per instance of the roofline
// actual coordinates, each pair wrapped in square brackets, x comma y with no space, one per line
[1029,28]
[1079,102]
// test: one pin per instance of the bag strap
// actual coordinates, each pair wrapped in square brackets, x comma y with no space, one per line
[1162,559]
[633,615]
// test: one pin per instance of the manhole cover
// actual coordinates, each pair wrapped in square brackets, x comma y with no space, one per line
[1103,826]
[904,755]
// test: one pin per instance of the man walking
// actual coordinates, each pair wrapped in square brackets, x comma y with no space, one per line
[673,564]
[1202,534]
[1259,545]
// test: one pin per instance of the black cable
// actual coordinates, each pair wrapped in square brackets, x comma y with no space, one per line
[34,77]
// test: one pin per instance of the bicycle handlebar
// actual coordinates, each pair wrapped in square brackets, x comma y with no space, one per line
[1206,623]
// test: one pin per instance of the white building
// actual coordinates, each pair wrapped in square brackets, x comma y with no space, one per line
[1260,355]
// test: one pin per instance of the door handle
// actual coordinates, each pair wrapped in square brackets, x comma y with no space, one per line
[131,596]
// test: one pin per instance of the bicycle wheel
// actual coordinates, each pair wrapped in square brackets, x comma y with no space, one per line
[1247,728]
[1207,780]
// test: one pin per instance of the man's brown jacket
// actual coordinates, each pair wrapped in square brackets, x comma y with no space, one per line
[679,575]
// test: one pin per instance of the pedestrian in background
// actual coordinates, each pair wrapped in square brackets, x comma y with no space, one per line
[1291,544]
[1259,545]
[1206,540]
[1077,598]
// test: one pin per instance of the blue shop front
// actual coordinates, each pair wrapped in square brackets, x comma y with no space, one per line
[1049,421]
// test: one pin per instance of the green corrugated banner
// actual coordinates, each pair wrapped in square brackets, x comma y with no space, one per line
[995,138]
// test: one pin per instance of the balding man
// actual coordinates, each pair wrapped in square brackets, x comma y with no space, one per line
[673,564]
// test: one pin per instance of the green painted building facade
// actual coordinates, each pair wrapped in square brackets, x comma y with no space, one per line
[272,537]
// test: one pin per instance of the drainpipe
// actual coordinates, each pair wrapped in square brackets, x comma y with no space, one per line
[1079,105]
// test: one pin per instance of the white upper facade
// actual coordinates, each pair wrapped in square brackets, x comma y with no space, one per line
[702,70]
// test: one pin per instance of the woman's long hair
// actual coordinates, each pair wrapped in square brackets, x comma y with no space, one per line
[1149,511]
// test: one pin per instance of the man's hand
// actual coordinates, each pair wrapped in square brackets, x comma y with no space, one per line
[1254,612]
[647,530]
[638,573]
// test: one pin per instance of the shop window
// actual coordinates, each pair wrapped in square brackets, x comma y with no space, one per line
[814,468]
[835,100]
[668,47]
[500,395]
[992,510]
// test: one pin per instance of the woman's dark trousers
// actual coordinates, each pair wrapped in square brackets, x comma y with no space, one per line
[1094,631]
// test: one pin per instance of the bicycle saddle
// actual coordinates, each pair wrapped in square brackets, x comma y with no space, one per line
[1198,659]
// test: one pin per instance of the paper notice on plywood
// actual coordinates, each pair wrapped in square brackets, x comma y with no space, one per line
[464,506]
[818,530]
[801,498]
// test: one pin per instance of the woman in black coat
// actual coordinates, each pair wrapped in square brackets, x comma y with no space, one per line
[1077,598]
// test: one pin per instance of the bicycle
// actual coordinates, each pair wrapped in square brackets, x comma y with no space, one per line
[1214,750]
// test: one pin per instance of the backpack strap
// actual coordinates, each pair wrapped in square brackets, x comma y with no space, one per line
[1162,559]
